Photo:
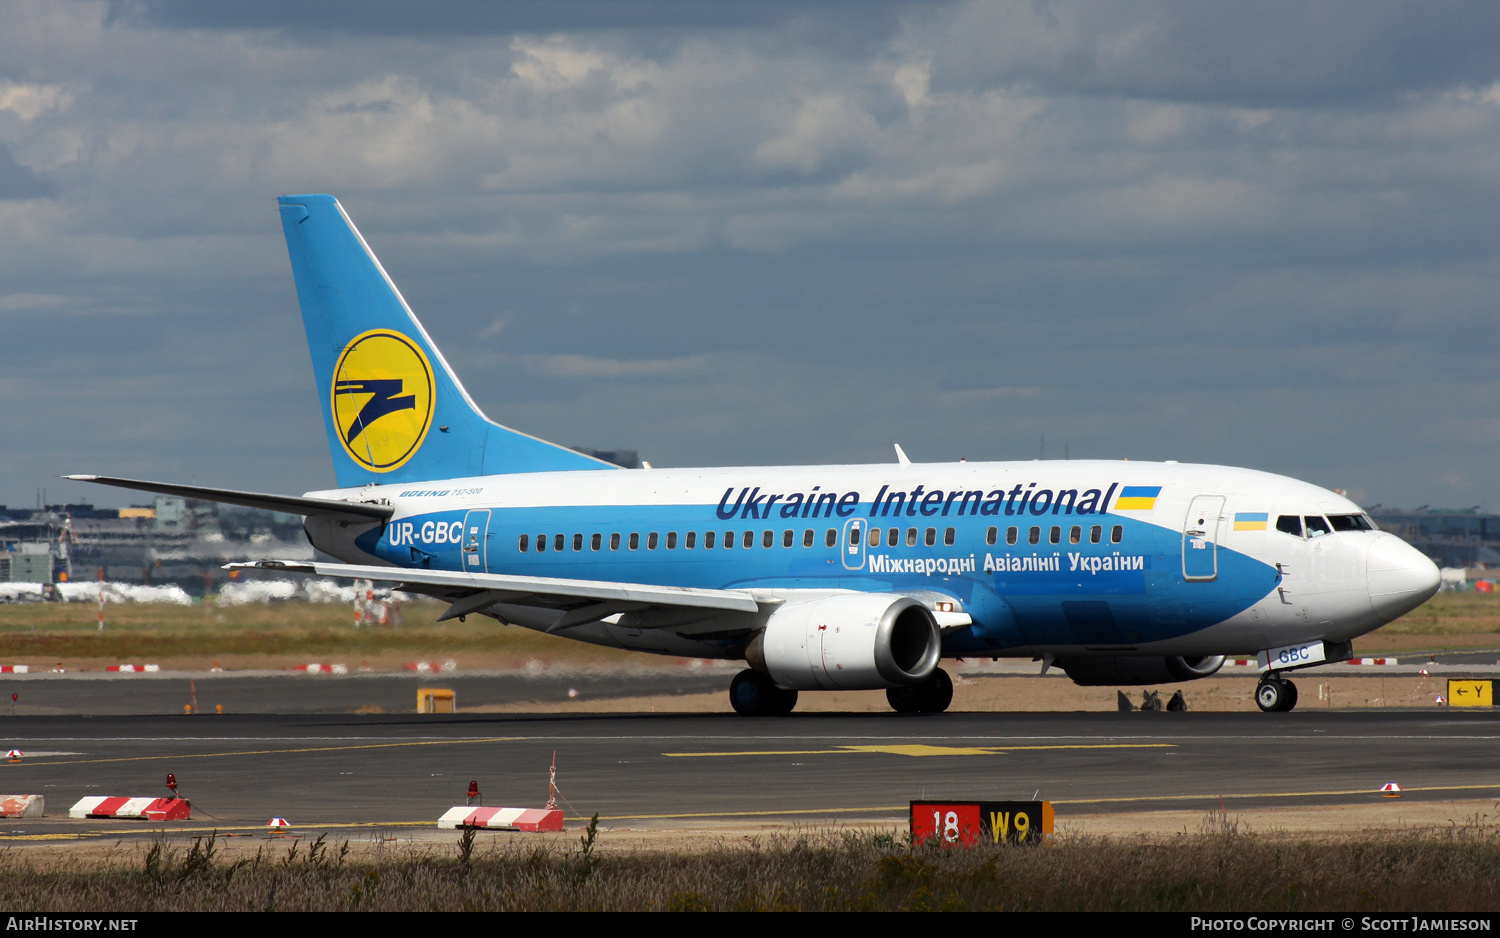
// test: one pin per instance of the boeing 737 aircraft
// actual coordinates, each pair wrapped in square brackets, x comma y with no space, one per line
[819,578]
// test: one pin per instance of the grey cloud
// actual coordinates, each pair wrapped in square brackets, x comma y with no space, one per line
[1141,231]
[1285,53]
[18,182]
[470,17]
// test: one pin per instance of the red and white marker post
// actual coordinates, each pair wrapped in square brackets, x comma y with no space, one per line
[531,820]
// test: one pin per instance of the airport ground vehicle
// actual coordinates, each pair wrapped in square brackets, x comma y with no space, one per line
[819,577]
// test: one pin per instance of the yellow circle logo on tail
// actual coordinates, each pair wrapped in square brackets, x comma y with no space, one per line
[382,399]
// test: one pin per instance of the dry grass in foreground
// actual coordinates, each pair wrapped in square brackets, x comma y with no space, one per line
[1221,871]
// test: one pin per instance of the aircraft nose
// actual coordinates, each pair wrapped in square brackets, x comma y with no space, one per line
[1401,577]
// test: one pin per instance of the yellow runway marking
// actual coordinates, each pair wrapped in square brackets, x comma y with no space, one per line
[902,809]
[733,814]
[919,749]
[301,830]
[1276,794]
[270,752]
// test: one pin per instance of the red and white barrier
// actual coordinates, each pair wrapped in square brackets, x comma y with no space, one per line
[133,668]
[22,806]
[425,667]
[322,668]
[15,668]
[535,820]
[1371,661]
[141,809]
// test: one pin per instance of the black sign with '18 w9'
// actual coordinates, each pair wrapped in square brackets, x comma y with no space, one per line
[967,823]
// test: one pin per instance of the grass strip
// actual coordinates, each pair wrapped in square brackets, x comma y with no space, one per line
[1219,872]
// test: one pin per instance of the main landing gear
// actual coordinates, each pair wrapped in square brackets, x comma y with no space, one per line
[1275,695]
[931,696]
[755,694]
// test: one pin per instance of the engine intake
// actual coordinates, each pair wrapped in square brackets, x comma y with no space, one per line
[865,641]
[1119,670]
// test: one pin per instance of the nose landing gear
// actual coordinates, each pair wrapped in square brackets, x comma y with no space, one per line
[1275,695]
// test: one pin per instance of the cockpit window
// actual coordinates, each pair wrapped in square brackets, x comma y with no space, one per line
[1350,523]
[1289,524]
[1316,526]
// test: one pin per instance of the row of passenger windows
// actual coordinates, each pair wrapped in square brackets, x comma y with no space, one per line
[654,540]
[1054,534]
[892,537]
[1317,525]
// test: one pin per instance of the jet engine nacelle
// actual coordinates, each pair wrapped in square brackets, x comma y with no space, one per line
[1097,672]
[863,641]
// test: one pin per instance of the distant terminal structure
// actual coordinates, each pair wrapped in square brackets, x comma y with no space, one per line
[170,541]
[1460,538]
[624,458]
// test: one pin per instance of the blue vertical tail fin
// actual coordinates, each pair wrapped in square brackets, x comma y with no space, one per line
[393,409]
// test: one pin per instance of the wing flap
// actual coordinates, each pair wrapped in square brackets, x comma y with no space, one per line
[554,591]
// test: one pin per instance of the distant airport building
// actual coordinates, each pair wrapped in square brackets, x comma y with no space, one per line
[1462,538]
[171,540]
[624,458]
[33,564]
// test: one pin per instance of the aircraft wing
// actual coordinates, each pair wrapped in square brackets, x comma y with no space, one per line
[338,510]
[568,602]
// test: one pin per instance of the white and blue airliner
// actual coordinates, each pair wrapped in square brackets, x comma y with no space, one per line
[817,577]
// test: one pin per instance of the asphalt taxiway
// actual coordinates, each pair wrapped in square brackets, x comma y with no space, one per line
[289,692]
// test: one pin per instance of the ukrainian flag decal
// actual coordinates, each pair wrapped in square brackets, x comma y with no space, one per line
[1137,498]
[1250,521]
[382,399]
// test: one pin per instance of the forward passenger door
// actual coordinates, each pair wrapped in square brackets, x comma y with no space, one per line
[1200,539]
[853,545]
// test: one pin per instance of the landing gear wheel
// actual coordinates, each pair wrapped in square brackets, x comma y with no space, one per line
[903,699]
[938,691]
[931,696]
[1274,695]
[752,693]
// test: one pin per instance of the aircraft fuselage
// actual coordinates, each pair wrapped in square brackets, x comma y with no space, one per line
[1044,558]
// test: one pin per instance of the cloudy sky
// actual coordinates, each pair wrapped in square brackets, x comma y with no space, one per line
[761,232]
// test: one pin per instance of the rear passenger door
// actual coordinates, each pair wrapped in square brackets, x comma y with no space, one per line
[475,551]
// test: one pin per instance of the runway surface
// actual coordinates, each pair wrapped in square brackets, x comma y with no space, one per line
[358,775]
[290,692]
[45,693]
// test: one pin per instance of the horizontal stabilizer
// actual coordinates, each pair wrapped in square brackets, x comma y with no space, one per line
[526,588]
[323,507]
